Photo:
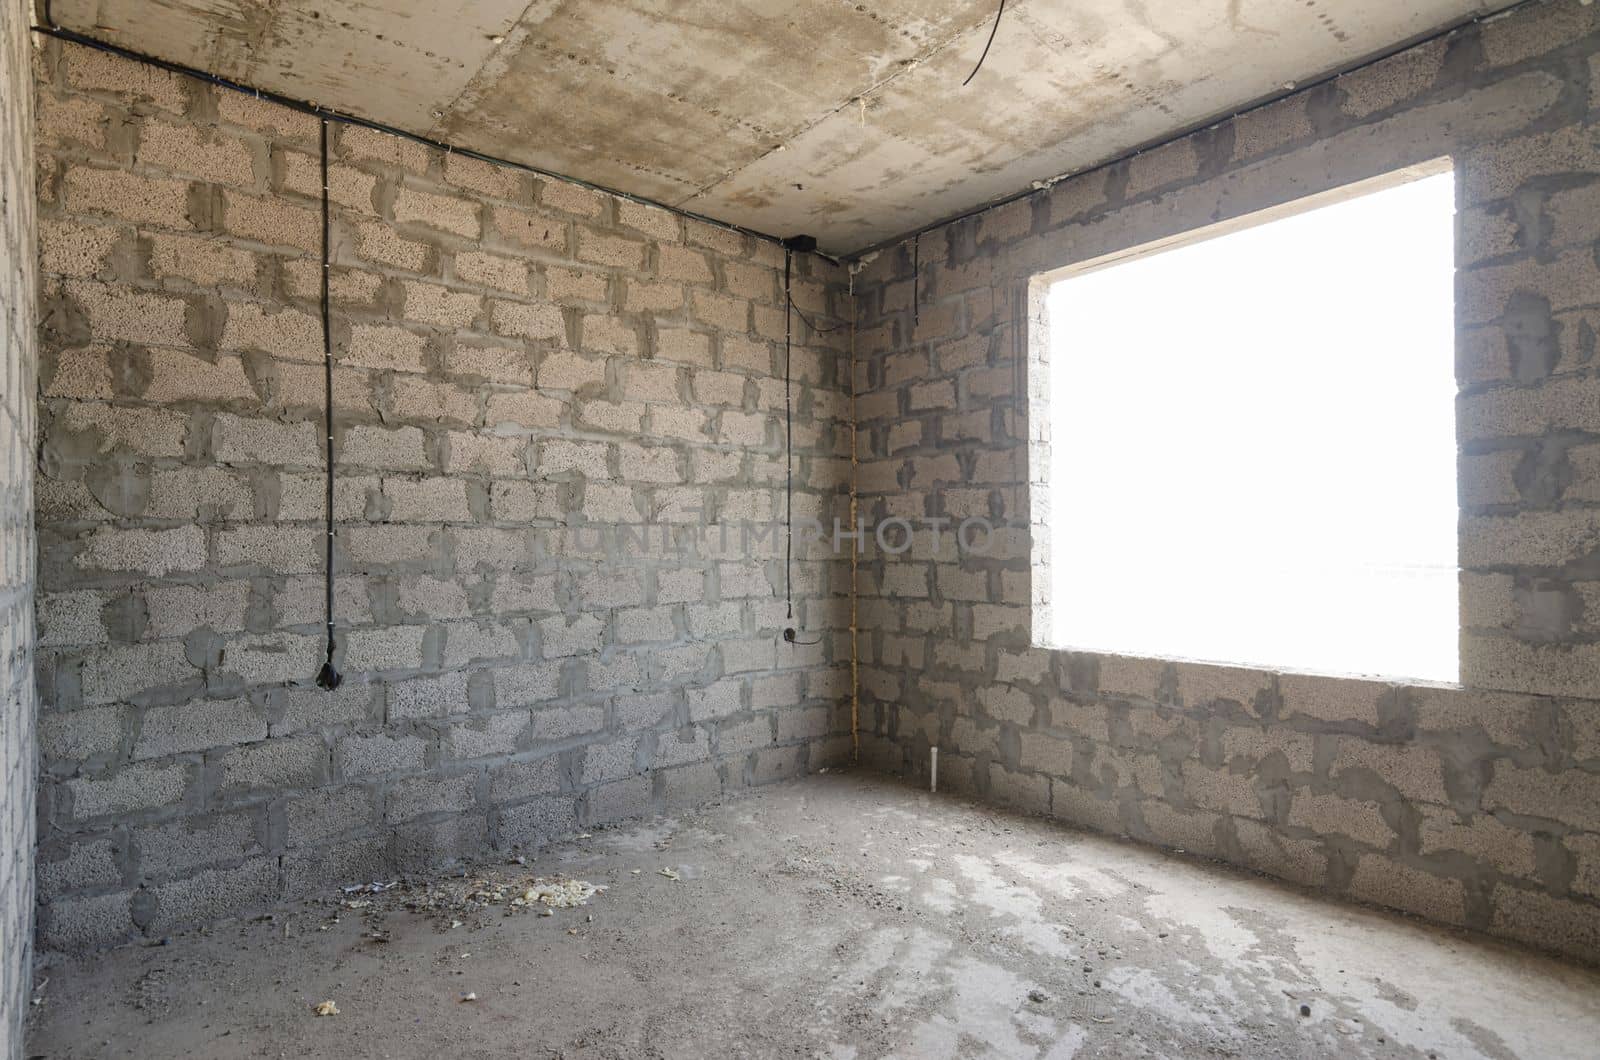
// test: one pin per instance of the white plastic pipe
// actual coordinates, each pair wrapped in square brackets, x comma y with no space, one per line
[933,771]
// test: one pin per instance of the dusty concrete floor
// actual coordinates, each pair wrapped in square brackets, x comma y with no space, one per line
[837,916]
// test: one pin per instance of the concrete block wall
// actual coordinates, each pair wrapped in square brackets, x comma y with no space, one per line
[550,404]
[18,356]
[1472,805]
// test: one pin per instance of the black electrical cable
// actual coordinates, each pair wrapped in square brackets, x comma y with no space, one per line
[812,324]
[52,29]
[788,443]
[327,677]
[806,244]
[916,280]
[992,31]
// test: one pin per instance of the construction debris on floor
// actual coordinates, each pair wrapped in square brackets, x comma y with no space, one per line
[838,916]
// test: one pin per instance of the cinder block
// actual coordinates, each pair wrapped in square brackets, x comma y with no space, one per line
[176,849]
[773,764]
[90,430]
[271,221]
[559,638]
[370,755]
[215,893]
[443,212]
[1254,746]
[1043,753]
[571,198]
[742,737]
[610,761]
[74,617]
[497,735]
[426,697]
[177,610]
[184,149]
[1387,882]
[653,222]
[400,449]
[357,143]
[128,197]
[327,813]
[535,822]
[281,549]
[528,229]
[74,925]
[598,248]
[645,624]
[1480,836]
[553,723]
[1330,699]
[1392,81]
[422,796]
[1552,923]
[431,304]
[120,313]
[683,265]
[347,186]
[1414,771]
[385,346]
[526,685]
[119,672]
[275,765]
[1024,791]
[1221,790]
[427,500]
[96,71]
[570,286]
[308,870]
[527,321]
[521,779]
[634,713]
[197,726]
[690,786]
[79,735]
[379,244]
[1569,796]
[1187,830]
[483,269]
[425,847]
[1330,816]
[1266,850]
[68,249]
[129,790]
[88,863]
[485,178]
[619,800]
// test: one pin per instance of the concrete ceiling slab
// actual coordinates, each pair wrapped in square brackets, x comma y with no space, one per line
[845,120]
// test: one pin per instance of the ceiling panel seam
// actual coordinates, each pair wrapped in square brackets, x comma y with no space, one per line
[442,114]
[905,67]
[52,29]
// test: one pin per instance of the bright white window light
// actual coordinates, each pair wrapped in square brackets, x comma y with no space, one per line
[1252,444]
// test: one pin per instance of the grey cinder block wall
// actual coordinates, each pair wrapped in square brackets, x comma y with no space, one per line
[550,404]
[521,361]
[1474,805]
[18,345]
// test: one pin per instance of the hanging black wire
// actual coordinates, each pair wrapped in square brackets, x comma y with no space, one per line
[327,677]
[52,29]
[820,329]
[992,31]
[916,280]
[790,310]
[788,440]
